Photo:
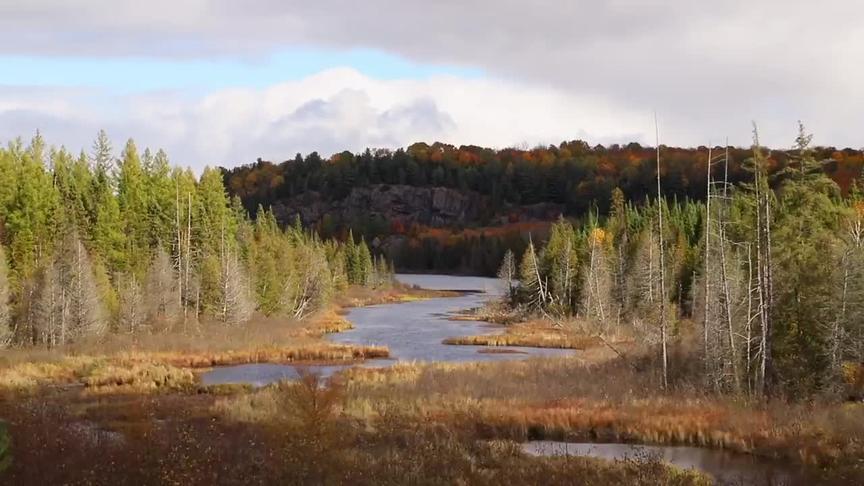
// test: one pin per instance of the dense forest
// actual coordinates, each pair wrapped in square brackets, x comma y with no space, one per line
[97,243]
[511,191]
[765,276]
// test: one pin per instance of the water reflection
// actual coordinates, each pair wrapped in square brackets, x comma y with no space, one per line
[724,466]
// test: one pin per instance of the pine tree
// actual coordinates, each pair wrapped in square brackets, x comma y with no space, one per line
[134,209]
[215,237]
[806,232]
[352,260]
[364,264]
[162,201]
[31,215]
[109,238]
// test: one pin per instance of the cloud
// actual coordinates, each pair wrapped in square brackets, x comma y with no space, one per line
[708,68]
[331,111]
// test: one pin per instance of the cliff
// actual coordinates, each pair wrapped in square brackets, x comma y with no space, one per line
[409,205]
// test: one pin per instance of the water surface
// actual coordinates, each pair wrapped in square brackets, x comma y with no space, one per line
[724,466]
[413,331]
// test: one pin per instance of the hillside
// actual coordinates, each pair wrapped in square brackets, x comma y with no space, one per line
[423,198]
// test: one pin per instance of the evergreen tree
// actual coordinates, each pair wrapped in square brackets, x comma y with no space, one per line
[560,267]
[162,201]
[30,217]
[365,267]
[134,209]
[109,239]
[805,238]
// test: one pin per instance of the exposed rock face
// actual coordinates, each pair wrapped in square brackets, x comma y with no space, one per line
[428,206]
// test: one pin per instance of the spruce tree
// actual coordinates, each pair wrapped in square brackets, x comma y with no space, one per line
[134,214]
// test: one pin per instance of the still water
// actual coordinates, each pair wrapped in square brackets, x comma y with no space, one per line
[723,466]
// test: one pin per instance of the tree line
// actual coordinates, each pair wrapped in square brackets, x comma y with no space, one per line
[94,243]
[574,174]
[766,275]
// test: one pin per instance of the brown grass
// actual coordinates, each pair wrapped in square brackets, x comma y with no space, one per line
[568,399]
[361,297]
[170,439]
[535,334]
[97,373]
[440,411]
[152,361]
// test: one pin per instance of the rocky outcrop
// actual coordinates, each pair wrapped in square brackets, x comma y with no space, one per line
[428,206]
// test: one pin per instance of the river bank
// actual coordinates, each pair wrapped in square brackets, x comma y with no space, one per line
[464,414]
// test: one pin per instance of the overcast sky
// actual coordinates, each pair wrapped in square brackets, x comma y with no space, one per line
[224,82]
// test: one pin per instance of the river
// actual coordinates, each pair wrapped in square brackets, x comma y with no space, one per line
[412,331]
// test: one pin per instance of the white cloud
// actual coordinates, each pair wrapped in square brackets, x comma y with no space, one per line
[708,68]
[329,112]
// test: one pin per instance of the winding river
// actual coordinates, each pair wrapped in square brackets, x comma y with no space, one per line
[414,331]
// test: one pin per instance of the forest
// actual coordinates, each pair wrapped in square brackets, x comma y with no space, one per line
[764,276]
[95,244]
[730,323]
[572,179]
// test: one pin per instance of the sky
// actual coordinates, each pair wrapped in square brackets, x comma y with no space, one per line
[224,82]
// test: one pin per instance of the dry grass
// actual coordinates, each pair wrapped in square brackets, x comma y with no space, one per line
[168,439]
[313,353]
[361,297]
[97,373]
[172,369]
[535,334]
[152,361]
[568,399]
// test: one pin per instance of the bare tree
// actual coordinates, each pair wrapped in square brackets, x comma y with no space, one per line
[235,300]
[660,237]
[507,274]
[68,305]
[598,285]
[309,284]
[532,282]
[764,270]
[725,286]
[161,290]
[132,316]
[6,333]
[48,309]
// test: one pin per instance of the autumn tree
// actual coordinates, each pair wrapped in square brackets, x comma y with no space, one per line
[598,286]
